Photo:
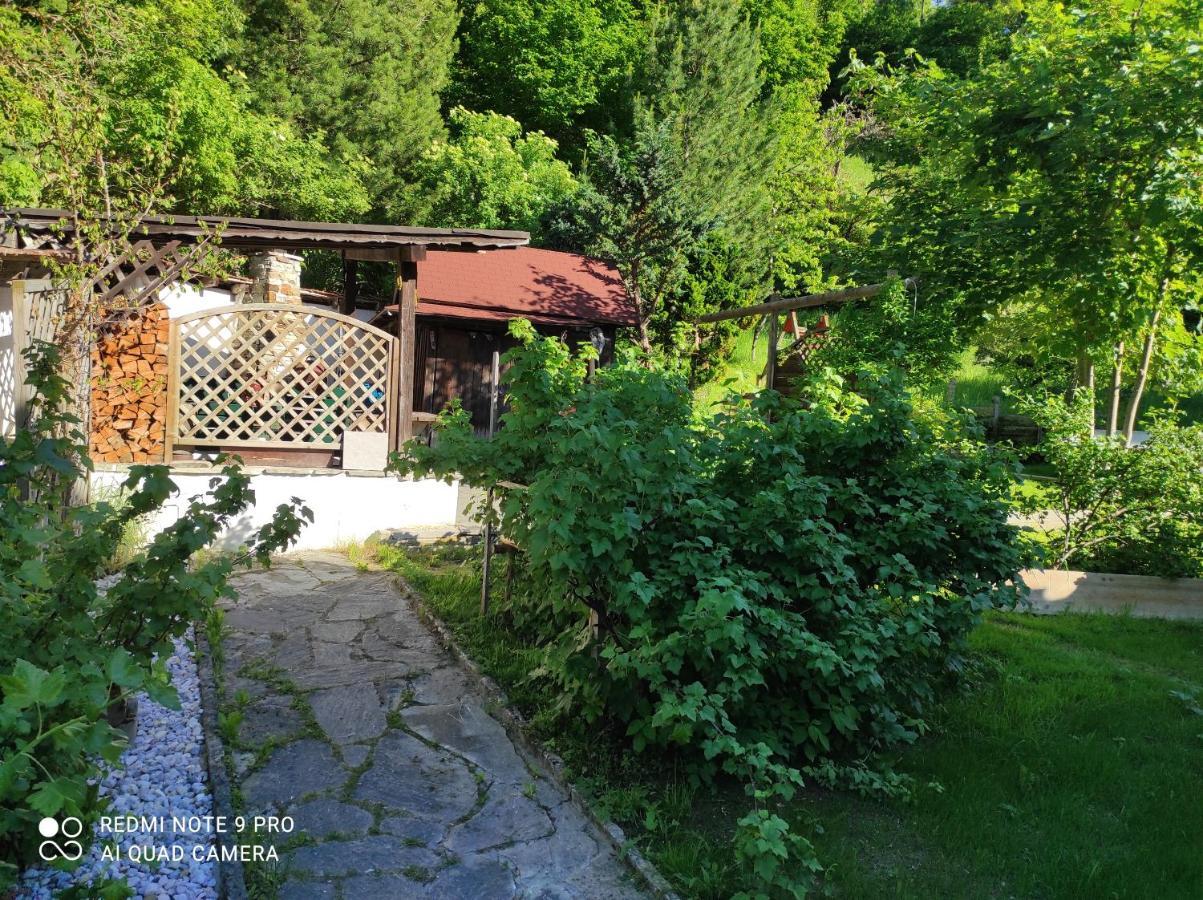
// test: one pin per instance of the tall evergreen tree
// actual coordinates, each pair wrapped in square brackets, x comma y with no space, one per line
[367,74]
[694,170]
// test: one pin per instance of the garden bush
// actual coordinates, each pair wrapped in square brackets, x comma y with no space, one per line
[778,589]
[70,652]
[1132,510]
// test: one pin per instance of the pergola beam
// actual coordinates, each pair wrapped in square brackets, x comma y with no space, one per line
[785,304]
[407,310]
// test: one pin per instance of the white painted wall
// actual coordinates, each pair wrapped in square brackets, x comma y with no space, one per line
[346,506]
[182,298]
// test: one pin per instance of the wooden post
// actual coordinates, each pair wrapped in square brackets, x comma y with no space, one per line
[407,308]
[950,396]
[488,561]
[770,369]
[995,411]
[350,287]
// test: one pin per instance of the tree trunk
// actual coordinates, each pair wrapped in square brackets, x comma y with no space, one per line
[1084,381]
[1117,376]
[1146,357]
[644,313]
[1088,383]
[1142,377]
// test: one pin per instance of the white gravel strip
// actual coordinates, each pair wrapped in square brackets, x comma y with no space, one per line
[161,774]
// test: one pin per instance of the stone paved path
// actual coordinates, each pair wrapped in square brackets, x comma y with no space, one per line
[356,722]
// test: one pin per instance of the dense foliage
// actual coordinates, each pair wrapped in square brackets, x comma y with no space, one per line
[116,103]
[489,175]
[363,76]
[72,654]
[1060,185]
[559,66]
[778,590]
[1134,510]
[694,170]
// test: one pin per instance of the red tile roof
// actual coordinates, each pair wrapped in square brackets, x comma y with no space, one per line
[545,286]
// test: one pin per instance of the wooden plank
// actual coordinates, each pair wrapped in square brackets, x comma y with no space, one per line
[173,392]
[494,387]
[784,304]
[407,308]
[390,396]
[20,342]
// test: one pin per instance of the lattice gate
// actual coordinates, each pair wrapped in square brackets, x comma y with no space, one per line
[272,375]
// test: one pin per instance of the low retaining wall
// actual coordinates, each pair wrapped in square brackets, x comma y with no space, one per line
[347,506]
[1054,591]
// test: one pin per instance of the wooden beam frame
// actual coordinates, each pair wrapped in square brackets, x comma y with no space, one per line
[784,304]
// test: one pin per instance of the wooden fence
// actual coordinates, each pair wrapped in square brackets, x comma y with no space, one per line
[273,375]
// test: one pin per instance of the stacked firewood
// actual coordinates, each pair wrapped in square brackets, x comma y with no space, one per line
[129,388]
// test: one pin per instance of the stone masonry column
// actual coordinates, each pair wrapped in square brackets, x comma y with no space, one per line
[277,278]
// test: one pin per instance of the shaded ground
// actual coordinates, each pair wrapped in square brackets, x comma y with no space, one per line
[346,714]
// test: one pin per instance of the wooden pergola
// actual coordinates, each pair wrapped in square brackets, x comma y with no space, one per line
[160,248]
[776,304]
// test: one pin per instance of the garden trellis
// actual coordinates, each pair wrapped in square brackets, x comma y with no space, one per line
[273,375]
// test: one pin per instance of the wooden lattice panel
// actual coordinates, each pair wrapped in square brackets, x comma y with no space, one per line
[271,375]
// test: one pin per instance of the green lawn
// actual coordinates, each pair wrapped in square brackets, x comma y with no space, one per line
[741,371]
[1068,764]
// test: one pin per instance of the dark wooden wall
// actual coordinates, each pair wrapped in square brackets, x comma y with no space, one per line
[455,359]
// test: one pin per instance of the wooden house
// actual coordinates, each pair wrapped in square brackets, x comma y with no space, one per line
[465,304]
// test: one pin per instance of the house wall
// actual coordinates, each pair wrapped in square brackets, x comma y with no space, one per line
[347,506]
[455,359]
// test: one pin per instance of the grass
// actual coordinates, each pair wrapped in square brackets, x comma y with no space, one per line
[1068,764]
[741,371]
[977,384]
[1070,768]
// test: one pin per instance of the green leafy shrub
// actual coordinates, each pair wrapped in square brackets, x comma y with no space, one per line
[777,589]
[70,653]
[899,327]
[1131,510]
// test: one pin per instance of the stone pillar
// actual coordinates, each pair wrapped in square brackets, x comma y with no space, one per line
[277,278]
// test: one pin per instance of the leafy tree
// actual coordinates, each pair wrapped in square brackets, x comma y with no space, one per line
[117,103]
[559,67]
[1065,178]
[489,175]
[1132,510]
[364,75]
[799,40]
[695,167]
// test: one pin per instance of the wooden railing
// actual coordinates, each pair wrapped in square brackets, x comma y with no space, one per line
[274,375]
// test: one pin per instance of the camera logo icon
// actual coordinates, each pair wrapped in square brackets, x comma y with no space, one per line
[67,830]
